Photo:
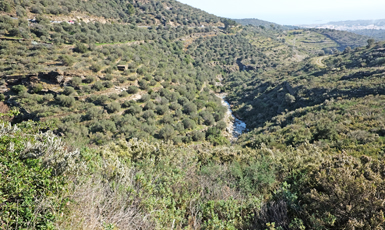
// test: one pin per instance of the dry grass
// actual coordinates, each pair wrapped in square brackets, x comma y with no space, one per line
[96,205]
[3,107]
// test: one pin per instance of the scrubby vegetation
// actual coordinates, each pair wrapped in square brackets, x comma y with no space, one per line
[111,118]
[139,185]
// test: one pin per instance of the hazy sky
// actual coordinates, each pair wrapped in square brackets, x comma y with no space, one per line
[294,12]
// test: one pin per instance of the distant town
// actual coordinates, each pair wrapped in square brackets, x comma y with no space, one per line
[345,27]
[351,25]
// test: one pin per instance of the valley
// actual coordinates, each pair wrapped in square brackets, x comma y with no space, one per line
[156,115]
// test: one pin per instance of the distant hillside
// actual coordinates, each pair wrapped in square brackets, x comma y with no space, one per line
[343,38]
[113,115]
[376,34]
[371,28]
[258,22]
[301,102]
[141,12]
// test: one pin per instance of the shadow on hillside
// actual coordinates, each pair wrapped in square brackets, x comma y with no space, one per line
[268,100]
[362,75]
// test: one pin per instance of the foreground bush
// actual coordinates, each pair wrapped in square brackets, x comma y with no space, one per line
[345,193]
[31,178]
[137,185]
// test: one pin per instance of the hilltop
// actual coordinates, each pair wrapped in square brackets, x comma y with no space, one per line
[258,22]
[140,12]
[111,117]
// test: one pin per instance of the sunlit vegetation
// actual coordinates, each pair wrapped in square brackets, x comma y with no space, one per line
[111,118]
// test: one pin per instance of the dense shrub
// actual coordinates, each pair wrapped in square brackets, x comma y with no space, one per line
[20,89]
[189,124]
[221,125]
[30,184]
[80,48]
[167,132]
[89,79]
[37,88]
[95,67]
[149,106]
[108,84]
[68,90]
[161,109]
[98,86]
[132,89]
[134,109]
[94,113]
[113,107]
[355,185]
[189,108]
[66,101]
[76,82]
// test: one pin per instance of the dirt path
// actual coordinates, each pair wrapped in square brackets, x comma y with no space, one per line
[318,61]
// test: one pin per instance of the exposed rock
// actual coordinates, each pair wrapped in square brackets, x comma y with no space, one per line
[59,78]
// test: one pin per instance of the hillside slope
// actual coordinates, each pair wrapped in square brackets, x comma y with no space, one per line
[141,12]
[111,118]
[275,100]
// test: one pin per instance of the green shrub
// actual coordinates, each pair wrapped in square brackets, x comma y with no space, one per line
[19,89]
[4,6]
[94,113]
[132,78]
[113,107]
[189,124]
[80,48]
[123,94]
[167,132]
[98,86]
[108,84]
[29,185]
[68,90]
[143,85]
[86,89]
[134,109]
[37,88]
[221,125]
[127,104]
[355,185]
[95,67]
[145,98]
[132,89]
[198,136]
[161,109]
[113,96]
[66,101]
[177,140]
[89,79]
[108,77]
[149,106]
[67,60]
[175,106]
[76,82]
[189,108]
[148,114]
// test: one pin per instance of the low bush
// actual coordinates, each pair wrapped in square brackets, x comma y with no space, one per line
[132,89]
[66,101]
